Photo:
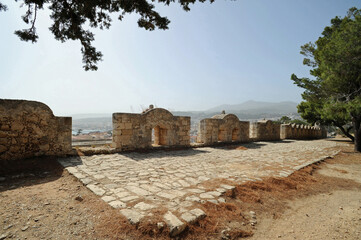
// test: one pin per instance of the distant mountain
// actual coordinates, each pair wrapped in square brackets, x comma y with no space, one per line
[255,107]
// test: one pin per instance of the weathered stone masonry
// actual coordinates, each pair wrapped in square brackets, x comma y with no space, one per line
[134,131]
[222,128]
[29,128]
[265,131]
[293,131]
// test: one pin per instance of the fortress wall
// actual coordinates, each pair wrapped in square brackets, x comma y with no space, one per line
[208,131]
[134,131]
[223,128]
[266,131]
[29,128]
[293,131]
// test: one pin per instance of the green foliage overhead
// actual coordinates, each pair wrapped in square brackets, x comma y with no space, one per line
[334,95]
[70,18]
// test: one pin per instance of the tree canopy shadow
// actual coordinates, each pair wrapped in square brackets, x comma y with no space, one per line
[343,140]
[250,145]
[27,172]
[163,153]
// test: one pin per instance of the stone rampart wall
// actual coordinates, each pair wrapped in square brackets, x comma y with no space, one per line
[29,128]
[293,131]
[134,131]
[222,128]
[265,131]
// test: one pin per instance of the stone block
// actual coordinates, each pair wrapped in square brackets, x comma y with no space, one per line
[16,126]
[182,133]
[3,148]
[4,141]
[14,149]
[188,217]
[44,147]
[3,134]
[85,181]
[198,213]
[193,199]
[214,193]
[228,187]
[206,195]
[117,204]
[32,118]
[175,225]
[133,216]
[108,198]
[129,198]
[5,127]
[166,195]
[122,194]
[96,190]
[126,132]
[126,140]
[138,191]
[117,133]
[72,170]
[144,206]
[150,188]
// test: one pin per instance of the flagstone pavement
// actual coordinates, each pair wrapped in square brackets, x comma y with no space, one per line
[138,183]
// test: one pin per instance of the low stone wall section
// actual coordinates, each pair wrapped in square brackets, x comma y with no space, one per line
[265,131]
[223,128]
[134,131]
[29,128]
[295,131]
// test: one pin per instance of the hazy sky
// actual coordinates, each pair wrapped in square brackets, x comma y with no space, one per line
[227,52]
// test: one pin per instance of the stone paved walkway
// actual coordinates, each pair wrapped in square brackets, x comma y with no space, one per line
[138,183]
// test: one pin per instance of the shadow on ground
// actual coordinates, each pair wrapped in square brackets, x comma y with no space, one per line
[28,172]
[341,140]
[251,145]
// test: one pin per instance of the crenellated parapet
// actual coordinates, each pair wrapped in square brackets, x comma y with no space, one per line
[296,131]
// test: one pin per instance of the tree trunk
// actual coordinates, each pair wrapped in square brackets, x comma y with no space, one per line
[357,127]
[347,133]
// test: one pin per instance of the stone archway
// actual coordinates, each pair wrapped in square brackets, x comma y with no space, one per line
[221,128]
[159,136]
[222,135]
[235,134]
[155,126]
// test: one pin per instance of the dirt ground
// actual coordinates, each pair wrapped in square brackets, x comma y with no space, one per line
[39,200]
[329,209]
